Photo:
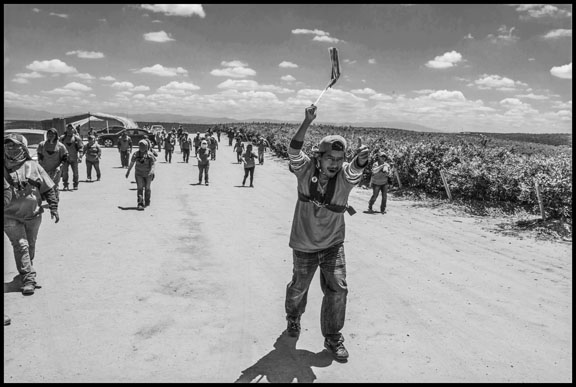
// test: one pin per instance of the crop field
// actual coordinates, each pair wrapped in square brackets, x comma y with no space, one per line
[496,170]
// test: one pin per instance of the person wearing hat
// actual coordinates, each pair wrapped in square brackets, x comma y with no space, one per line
[29,185]
[379,181]
[186,145]
[239,148]
[74,145]
[143,173]
[325,181]
[51,155]
[93,154]
[203,157]
[248,158]
[124,148]
[169,145]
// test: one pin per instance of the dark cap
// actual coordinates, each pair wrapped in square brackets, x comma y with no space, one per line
[332,142]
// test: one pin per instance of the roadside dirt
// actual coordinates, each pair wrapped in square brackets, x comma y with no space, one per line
[192,289]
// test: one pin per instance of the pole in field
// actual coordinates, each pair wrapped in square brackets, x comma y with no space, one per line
[335,71]
[540,204]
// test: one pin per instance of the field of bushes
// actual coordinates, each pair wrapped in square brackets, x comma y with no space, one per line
[478,167]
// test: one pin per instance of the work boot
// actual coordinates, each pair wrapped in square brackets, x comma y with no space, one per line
[337,349]
[370,210]
[28,289]
[293,327]
[65,188]
[7,320]
[75,187]
[140,207]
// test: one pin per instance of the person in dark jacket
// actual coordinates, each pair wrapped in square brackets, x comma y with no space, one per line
[51,155]
[74,145]
[203,157]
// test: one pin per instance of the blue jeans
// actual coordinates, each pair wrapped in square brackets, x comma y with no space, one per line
[332,264]
[125,158]
[74,166]
[203,169]
[22,235]
[143,190]
[96,165]
[375,191]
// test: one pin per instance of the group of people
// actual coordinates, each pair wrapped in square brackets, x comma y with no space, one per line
[324,182]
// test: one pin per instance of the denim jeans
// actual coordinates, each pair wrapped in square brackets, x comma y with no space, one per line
[125,157]
[89,165]
[203,169]
[74,166]
[168,155]
[248,171]
[332,264]
[143,190]
[375,191]
[22,235]
[186,154]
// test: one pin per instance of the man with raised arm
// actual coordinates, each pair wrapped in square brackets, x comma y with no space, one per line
[325,181]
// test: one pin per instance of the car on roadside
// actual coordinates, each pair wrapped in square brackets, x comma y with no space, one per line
[110,130]
[33,136]
[136,134]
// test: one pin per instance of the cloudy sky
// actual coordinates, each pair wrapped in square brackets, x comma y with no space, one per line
[490,67]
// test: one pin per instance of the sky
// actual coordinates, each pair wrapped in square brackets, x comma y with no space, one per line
[451,67]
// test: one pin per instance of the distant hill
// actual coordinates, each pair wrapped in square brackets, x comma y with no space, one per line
[18,113]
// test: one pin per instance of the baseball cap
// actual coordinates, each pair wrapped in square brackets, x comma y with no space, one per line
[332,142]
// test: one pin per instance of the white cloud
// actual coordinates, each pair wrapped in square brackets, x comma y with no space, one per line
[564,72]
[533,96]
[186,10]
[62,15]
[141,88]
[86,54]
[159,37]
[349,61]
[54,66]
[178,88]
[84,76]
[108,78]
[372,61]
[447,95]
[320,36]
[327,39]
[162,71]
[288,78]
[250,85]
[447,60]
[35,10]
[122,85]
[497,82]
[31,75]
[538,11]
[233,69]
[286,64]
[469,36]
[366,90]
[77,86]
[20,80]
[559,33]
[505,36]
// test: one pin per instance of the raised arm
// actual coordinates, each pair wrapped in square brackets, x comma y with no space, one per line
[298,138]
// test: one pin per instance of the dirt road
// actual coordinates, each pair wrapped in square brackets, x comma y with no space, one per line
[192,289]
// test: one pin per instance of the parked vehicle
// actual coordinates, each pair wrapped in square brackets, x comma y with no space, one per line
[136,134]
[33,136]
[110,130]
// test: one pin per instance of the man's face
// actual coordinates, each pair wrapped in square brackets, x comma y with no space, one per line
[51,136]
[331,162]
[69,130]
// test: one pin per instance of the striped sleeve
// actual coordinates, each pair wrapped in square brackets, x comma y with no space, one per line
[298,161]
[353,173]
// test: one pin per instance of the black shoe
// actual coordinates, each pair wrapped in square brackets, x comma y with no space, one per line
[140,207]
[383,211]
[370,210]
[7,320]
[75,187]
[206,183]
[336,349]
[252,185]
[28,289]
[65,188]
[293,328]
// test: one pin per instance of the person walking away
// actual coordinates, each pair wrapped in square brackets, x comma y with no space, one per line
[197,142]
[125,149]
[186,146]
[93,154]
[379,181]
[179,135]
[203,158]
[262,146]
[160,139]
[239,149]
[218,131]
[145,162]
[213,145]
[29,185]
[230,136]
[51,155]
[249,160]
[169,145]
[74,145]
[325,181]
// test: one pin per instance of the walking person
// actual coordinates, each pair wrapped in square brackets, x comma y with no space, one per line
[197,142]
[169,145]
[230,136]
[262,146]
[29,185]
[325,181]
[145,162]
[160,139]
[74,145]
[379,181]
[203,158]
[249,160]
[213,145]
[51,154]
[186,146]
[125,149]
[93,154]
[239,148]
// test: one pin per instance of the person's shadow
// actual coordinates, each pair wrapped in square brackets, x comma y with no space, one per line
[286,363]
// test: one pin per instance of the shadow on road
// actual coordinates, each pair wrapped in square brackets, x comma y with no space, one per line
[128,208]
[13,286]
[286,363]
